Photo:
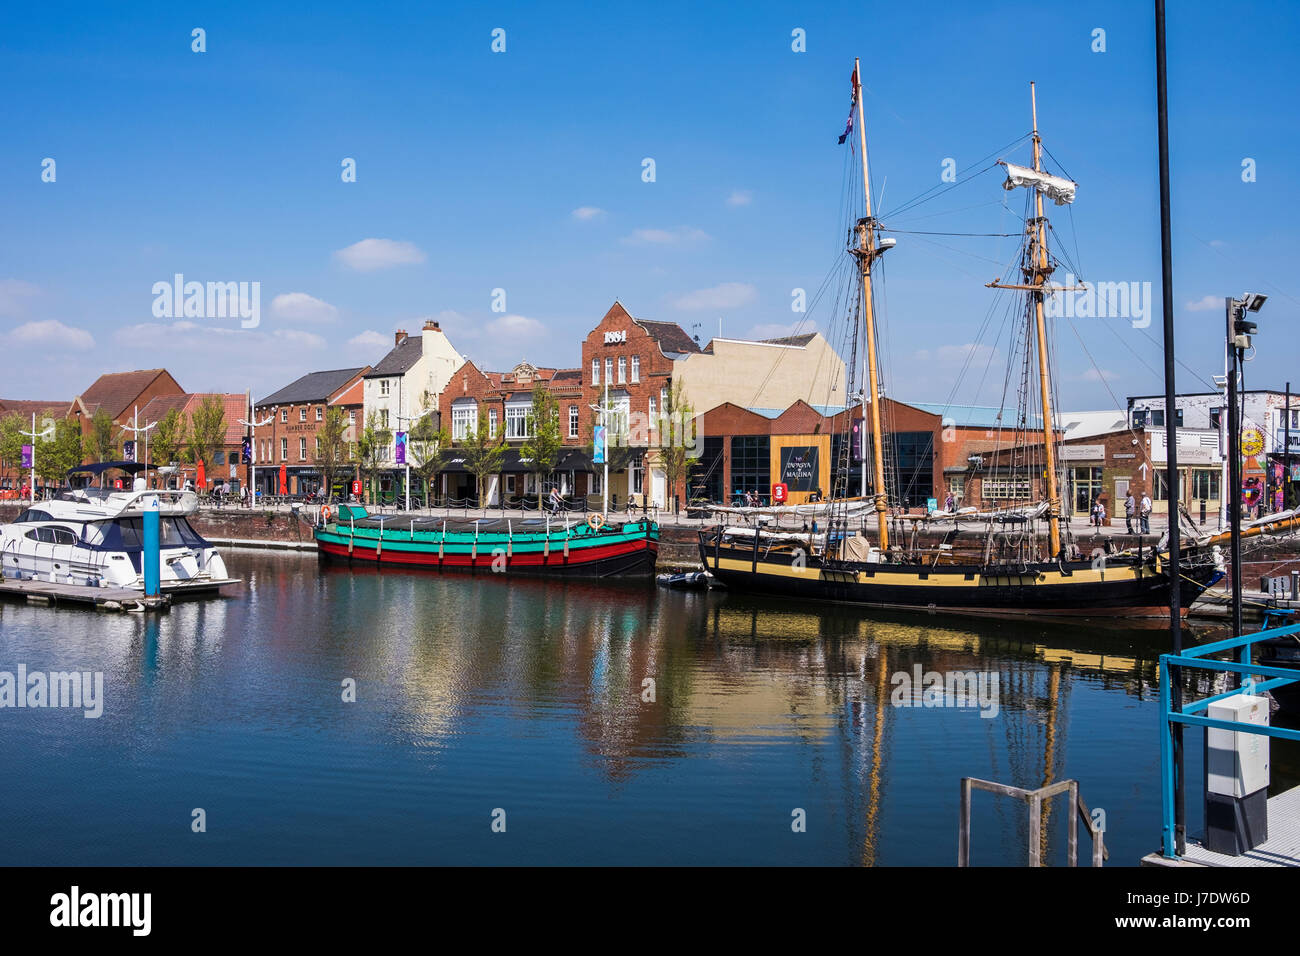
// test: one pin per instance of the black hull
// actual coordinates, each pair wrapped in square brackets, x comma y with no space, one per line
[1071,589]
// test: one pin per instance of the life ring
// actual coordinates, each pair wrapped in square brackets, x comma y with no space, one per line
[324,514]
[595,521]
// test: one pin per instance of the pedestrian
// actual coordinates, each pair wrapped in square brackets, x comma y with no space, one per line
[1130,511]
[555,500]
[243,495]
[950,503]
[1146,513]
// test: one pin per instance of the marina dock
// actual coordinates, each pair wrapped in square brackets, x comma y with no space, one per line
[106,599]
[1282,848]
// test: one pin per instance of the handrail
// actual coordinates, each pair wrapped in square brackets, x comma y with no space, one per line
[1195,658]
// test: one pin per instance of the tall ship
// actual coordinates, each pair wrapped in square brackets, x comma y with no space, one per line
[1013,560]
[549,545]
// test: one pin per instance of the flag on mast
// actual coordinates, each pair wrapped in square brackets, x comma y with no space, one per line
[853,105]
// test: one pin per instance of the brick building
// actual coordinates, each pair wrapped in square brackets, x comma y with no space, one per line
[226,459]
[12,476]
[118,395]
[297,413]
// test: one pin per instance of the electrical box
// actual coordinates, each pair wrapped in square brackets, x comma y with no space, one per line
[1236,777]
[1237,762]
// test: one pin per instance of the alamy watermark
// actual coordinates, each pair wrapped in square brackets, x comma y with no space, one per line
[919,688]
[1101,300]
[74,690]
[179,299]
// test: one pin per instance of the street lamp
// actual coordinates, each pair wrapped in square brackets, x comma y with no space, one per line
[253,424]
[1239,331]
[136,429]
[33,435]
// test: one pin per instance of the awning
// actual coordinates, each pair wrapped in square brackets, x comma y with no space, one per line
[99,467]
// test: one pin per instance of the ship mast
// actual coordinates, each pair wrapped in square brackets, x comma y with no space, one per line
[1038,279]
[866,253]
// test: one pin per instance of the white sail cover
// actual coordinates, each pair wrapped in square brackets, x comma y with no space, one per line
[1054,187]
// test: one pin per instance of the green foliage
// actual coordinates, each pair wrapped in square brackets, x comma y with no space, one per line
[372,447]
[103,437]
[546,441]
[483,454]
[207,429]
[168,438]
[63,450]
[333,456]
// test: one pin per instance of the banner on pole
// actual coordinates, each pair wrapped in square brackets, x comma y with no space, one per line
[27,456]
[598,445]
[399,453]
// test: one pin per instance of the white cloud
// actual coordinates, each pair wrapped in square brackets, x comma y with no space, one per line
[369,255]
[667,237]
[52,333]
[515,327]
[955,356]
[14,294]
[740,197]
[1098,375]
[301,307]
[585,213]
[1205,303]
[775,330]
[727,295]
[369,339]
[296,337]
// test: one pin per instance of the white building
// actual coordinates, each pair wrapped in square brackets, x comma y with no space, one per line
[406,383]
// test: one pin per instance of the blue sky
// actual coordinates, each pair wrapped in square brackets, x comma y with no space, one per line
[522,171]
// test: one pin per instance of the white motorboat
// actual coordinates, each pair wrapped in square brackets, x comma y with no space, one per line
[94,536]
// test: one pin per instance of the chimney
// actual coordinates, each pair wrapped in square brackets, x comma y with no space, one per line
[399,336]
[431,326]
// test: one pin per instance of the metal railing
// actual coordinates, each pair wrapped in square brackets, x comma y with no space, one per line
[1035,798]
[1187,714]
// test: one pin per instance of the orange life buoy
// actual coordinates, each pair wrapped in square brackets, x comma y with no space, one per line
[324,514]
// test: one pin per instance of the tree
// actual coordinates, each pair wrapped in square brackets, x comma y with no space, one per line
[676,440]
[169,438]
[483,454]
[332,456]
[619,451]
[545,443]
[428,447]
[12,440]
[372,449]
[63,450]
[207,429]
[103,436]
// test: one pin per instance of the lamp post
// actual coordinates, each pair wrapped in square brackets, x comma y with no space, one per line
[1239,331]
[252,424]
[605,410]
[135,429]
[33,435]
[406,454]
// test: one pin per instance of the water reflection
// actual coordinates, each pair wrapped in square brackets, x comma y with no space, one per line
[620,723]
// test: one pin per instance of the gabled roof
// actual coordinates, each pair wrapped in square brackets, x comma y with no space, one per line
[28,407]
[670,336]
[113,392]
[312,387]
[400,359]
[233,405]
[791,339]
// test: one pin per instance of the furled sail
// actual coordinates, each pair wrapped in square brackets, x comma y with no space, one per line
[1054,187]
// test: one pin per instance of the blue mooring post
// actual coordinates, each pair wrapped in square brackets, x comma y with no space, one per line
[152,553]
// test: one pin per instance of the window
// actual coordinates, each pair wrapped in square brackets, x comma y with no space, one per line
[609,370]
[597,482]
[595,371]
[317,447]
[751,464]
[1087,486]
[383,418]
[1158,417]
[663,399]
[1005,489]
[320,413]
[517,420]
[383,386]
[622,370]
[302,414]
[957,486]
[284,415]
[638,476]
[1178,417]
[1205,484]
[636,368]
[464,421]
[352,416]
[573,421]
[1216,417]
[492,423]
[302,449]
[704,477]
[219,458]
[1160,489]
[284,449]
[653,424]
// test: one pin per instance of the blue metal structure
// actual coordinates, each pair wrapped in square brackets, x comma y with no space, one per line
[152,558]
[1187,714]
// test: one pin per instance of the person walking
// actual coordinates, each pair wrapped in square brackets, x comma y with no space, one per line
[1130,511]
[1145,513]
[949,503]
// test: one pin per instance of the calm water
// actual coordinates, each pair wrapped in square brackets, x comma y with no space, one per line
[475,694]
